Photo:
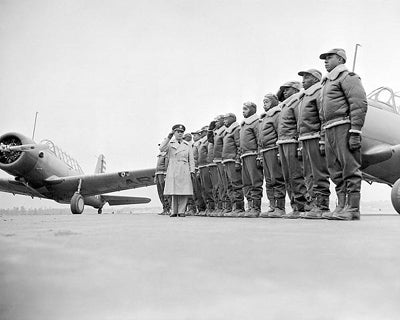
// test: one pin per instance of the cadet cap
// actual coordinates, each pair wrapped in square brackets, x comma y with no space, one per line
[292,84]
[196,132]
[187,136]
[271,97]
[219,117]
[180,127]
[205,128]
[230,114]
[250,104]
[314,72]
[340,52]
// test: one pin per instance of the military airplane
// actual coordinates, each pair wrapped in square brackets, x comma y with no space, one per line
[45,171]
[381,141]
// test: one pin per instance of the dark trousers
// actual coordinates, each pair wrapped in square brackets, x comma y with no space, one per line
[252,178]
[165,200]
[318,167]
[308,176]
[274,181]
[206,184]
[197,193]
[235,188]
[293,174]
[343,164]
[222,183]
[214,181]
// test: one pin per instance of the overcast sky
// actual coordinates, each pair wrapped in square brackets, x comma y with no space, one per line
[112,77]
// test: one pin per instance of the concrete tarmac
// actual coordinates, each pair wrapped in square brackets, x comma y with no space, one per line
[144,266]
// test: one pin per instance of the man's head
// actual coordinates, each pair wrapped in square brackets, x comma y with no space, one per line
[219,121]
[270,100]
[333,58]
[187,137]
[178,130]
[203,131]
[196,135]
[310,77]
[229,118]
[249,108]
[288,89]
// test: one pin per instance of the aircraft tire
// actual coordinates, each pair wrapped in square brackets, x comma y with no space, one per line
[395,196]
[77,203]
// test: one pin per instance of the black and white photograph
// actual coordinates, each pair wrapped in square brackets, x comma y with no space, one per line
[190,160]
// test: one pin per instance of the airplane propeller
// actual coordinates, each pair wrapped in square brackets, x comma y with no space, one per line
[22,147]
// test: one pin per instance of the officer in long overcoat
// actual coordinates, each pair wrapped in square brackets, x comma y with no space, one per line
[178,182]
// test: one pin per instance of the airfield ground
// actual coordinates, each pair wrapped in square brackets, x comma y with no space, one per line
[144,266]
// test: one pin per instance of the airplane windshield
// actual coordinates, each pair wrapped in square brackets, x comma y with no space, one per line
[72,163]
[387,99]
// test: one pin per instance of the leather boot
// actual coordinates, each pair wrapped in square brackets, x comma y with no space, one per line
[255,210]
[341,203]
[321,206]
[191,210]
[269,211]
[272,204]
[279,211]
[352,210]
[238,210]
[227,209]
[210,209]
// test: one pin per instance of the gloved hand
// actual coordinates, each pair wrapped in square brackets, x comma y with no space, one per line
[212,125]
[170,135]
[322,149]
[278,156]
[299,154]
[259,163]
[193,176]
[238,166]
[155,179]
[354,141]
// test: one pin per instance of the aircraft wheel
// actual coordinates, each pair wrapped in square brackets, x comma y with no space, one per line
[395,196]
[100,211]
[77,203]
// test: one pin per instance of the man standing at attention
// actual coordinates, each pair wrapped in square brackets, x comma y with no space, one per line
[252,175]
[312,137]
[344,107]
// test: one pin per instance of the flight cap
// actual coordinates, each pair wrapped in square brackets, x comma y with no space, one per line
[340,52]
[314,72]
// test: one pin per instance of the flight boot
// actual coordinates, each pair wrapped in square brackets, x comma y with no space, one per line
[321,206]
[218,209]
[296,213]
[210,209]
[352,210]
[341,203]
[227,209]
[191,210]
[279,211]
[270,209]
[237,211]
[255,210]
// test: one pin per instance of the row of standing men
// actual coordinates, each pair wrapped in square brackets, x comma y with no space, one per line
[309,133]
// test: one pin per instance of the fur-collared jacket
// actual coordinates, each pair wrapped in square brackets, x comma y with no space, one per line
[218,143]
[343,99]
[202,148]
[231,144]
[249,136]
[287,129]
[268,132]
[310,118]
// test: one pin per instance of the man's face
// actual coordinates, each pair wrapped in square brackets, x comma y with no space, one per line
[248,111]
[289,91]
[228,121]
[308,80]
[196,137]
[178,135]
[219,123]
[332,61]
[267,104]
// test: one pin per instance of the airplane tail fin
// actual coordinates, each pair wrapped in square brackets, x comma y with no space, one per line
[101,164]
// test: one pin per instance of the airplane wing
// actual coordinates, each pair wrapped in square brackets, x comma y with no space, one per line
[95,184]
[16,187]
[121,200]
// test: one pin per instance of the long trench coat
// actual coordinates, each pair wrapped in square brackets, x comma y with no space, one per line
[180,164]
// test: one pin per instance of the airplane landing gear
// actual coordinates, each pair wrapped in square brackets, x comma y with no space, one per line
[77,203]
[100,211]
[395,196]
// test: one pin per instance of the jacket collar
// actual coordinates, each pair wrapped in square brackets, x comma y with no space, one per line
[273,110]
[313,89]
[250,119]
[220,130]
[204,139]
[232,127]
[334,74]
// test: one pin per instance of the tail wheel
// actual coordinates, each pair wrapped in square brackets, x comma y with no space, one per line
[395,196]
[77,203]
